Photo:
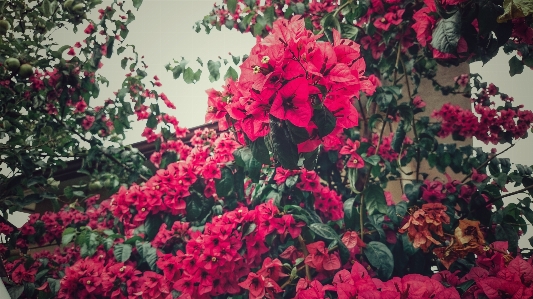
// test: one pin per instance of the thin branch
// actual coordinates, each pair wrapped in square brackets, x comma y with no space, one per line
[306,253]
[487,162]
[111,157]
[408,86]
[509,194]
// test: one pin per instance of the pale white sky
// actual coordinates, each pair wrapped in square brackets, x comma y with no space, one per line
[163,31]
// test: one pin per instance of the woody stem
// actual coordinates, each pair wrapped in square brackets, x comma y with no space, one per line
[509,194]
[486,162]
[306,253]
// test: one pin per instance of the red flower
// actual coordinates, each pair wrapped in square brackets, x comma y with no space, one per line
[255,284]
[90,29]
[292,103]
[71,52]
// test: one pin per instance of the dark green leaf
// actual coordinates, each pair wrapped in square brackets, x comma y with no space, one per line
[16,291]
[351,216]
[311,158]
[349,31]
[152,225]
[224,185]
[260,150]
[68,234]
[397,212]
[232,6]
[122,252]
[214,70]
[380,257]
[152,121]
[54,285]
[488,13]
[298,134]
[375,200]
[285,150]
[447,33]
[399,137]
[298,8]
[463,287]
[344,252]
[324,231]
[407,245]
[270,16]
[324,120]
[515,66]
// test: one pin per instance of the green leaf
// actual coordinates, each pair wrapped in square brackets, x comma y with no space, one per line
[260,150]
[488,12]
[224,185]
[324,120]
[324,231]
[407,245]
[505,232]
[302,214]
[137,3]
[245,159]
[68,234]
[16,291]
[350,214]
[199,60]
[124,33]
[122,252]
[380,257]
[311,158]
[197,75]
[188,76]
[194,208]
[258,29]
[270,15]
[399,137]
[236,59]
[372,160]
[54,285]
[232,6]
[214,70]
[447,33]
[68,191]
[349,31]
[152,121]
[528,213]
[231,73]
[298,134]
[147,253]
[330,21]
[46,9]
[515,66]
[110,44]
[374,199]
[152,225]
[344,252]
[285,150]
[298,8]
[463,287]
[397,212]
[515,9]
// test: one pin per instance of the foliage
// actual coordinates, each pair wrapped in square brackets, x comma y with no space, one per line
[291,197]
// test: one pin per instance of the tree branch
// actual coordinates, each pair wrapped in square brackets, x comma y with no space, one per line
[487,162]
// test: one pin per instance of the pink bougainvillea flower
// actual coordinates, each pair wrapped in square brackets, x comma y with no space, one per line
[292,104]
